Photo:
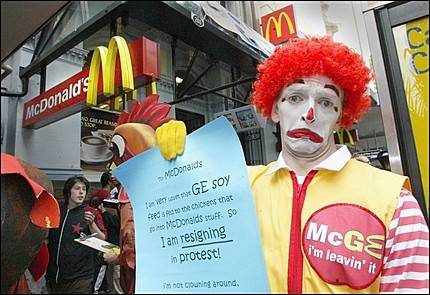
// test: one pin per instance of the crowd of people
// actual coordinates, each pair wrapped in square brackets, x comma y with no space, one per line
[74,267]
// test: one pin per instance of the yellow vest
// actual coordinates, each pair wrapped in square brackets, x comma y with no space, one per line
[359,191]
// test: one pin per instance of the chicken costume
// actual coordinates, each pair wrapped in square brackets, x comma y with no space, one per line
[134,134]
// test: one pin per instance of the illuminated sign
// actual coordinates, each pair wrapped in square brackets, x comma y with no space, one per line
[106,59]
[120,66]
[344,135]
[244,118]
[279,26]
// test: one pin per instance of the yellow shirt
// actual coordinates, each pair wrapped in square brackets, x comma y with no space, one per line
[327,235]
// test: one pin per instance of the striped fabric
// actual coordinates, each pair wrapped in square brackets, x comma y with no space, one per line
[406,261]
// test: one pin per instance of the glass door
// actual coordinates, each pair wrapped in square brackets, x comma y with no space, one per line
[404,34]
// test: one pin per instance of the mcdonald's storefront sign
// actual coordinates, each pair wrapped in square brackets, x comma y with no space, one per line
[279,26]
[120,66]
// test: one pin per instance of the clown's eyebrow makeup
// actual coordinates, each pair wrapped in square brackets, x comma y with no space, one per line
[332,88]
[299,81]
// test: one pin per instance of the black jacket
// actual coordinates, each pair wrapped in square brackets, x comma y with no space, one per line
[112,224]
[71,260]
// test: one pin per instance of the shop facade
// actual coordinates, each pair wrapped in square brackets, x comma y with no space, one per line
[217,69]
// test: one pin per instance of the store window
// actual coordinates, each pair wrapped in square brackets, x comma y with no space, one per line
[192,120]
[73,16]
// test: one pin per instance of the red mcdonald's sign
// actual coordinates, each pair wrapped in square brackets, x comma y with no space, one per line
[70,96]
[279,26]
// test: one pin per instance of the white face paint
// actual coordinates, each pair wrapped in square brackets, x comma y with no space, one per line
[308,111]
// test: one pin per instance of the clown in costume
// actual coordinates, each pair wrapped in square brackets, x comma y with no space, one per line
[328,223]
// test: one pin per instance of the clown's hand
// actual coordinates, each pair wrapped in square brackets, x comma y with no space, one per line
[171,139]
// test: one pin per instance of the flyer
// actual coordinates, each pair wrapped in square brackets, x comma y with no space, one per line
[99,245]
[195,221]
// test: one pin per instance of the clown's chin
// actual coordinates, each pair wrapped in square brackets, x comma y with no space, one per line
[304,147]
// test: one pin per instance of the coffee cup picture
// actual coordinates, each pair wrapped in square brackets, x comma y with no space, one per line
[95,149]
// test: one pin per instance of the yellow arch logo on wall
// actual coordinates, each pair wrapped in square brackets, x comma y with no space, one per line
[105,58]
[278,23]
[279,26]
[340,135]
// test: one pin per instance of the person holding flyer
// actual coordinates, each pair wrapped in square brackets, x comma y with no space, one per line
[71,264]
[328,223]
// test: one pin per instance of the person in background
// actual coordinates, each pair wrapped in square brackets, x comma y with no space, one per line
[112,223]
[96,202]
[127,259]
[361,158]
[104,280]
[328,223]
[117,186]
[71,264]
[110,184]
[384,160]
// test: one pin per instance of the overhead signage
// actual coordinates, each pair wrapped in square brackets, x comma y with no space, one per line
[245,118]
[279,26]
[92,86]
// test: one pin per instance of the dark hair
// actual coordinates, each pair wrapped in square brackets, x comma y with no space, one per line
[104,179]
[384,160]
[98,197]
[95,202]
[70,183]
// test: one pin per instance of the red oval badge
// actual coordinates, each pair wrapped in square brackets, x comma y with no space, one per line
[345,244]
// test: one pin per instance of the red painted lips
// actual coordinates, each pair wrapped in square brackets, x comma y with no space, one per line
[305,133]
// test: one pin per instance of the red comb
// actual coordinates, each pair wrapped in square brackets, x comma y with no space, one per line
[149,112]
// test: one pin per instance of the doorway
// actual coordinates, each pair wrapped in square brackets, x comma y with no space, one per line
[192,120]
[400,31]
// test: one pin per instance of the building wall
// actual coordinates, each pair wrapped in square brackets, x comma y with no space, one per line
[62,156]
[53,148]
[341,19]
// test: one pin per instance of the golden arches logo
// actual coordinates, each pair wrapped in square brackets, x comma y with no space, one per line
[340,134]
[106,59]
[278,23]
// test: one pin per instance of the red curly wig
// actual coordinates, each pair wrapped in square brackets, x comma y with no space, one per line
[314,56]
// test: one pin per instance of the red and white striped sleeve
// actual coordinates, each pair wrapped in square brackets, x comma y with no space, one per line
[406,260]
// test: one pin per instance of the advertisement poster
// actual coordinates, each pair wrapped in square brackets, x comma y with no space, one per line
[413,49]
[97,128]
[195,220]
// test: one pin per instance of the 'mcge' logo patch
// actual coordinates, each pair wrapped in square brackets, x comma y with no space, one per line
[344,244]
